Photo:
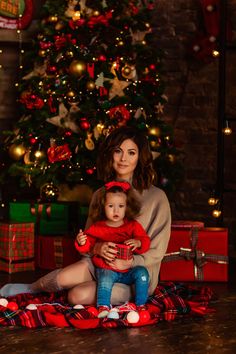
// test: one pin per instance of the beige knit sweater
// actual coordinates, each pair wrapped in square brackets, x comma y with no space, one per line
[155,217]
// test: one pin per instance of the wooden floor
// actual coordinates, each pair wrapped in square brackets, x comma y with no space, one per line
[214,334]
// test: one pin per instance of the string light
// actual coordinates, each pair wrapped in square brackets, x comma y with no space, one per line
[227,130]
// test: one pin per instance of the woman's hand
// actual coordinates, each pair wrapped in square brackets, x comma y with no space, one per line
[120,264]
[106,250]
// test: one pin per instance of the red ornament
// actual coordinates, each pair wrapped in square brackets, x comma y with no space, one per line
[84,124]
[152,66]
[58,153]
[33,141]
[92,310]
[68,133]
[144,316]
[102,57]
[90,171]
[12,306]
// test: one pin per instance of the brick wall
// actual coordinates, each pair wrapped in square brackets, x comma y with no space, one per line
[192,89]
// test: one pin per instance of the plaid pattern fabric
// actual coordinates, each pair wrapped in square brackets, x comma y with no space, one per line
[169,302]
[16,247]
[124,252]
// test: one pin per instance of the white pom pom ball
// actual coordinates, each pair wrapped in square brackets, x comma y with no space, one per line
[31,307]
[3,302]
[132,317]
[78,307]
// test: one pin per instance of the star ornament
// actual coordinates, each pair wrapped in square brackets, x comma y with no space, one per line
[117,88]
[160,108]
[64,119]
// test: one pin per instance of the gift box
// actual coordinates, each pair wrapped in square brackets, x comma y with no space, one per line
[49,218]
[196,255]
[55,252]
[124,252]
[16,247]
[188,224]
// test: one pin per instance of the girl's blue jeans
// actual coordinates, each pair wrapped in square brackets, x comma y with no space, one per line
[106,278]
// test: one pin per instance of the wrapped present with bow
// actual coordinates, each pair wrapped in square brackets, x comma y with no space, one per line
[196,255]
[54,252]
[59,218]
[16,247]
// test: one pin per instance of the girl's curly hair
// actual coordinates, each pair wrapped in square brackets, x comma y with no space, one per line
[133,206]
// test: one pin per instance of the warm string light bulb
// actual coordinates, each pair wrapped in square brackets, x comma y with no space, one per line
[227,130]
[216,213]
[213,201]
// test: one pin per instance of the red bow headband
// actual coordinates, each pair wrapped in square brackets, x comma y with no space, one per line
[125,186]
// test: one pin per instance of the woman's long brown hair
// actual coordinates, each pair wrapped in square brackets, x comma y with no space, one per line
[144,174]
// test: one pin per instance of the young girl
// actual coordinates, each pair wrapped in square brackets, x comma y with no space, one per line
[113,216]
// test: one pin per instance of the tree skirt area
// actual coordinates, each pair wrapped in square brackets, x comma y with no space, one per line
[169,302]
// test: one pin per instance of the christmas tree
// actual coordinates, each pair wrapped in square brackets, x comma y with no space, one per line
[93,67]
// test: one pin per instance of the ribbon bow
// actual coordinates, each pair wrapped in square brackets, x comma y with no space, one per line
[125,186]
[199,258]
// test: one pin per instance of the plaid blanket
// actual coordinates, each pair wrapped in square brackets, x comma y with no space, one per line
[170,301]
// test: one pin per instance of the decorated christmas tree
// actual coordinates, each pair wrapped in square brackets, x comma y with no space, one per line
[94,67]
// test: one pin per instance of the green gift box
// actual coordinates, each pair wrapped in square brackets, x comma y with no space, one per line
[51,218]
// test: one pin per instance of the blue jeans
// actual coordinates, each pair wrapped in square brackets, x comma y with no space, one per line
[106,279]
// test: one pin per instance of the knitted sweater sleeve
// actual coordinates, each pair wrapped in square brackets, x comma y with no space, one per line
[155,218]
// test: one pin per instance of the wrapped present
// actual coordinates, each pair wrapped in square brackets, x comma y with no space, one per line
[124,252]
[196,255]
[55,252]
[187,224]
[16,247]
[49,218]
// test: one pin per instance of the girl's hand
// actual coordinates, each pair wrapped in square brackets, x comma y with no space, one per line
[133,243]
[107,250]
[81,238]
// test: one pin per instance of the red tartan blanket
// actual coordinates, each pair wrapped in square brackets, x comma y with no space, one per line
[170,301]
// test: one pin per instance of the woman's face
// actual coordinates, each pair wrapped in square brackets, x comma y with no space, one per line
[125,159]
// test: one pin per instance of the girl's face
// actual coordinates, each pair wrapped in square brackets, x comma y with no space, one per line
[115,207]
[125,159]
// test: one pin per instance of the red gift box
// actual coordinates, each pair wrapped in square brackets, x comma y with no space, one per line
[196,255]
[187,224]
[16,247]
[124,252]
[55,252]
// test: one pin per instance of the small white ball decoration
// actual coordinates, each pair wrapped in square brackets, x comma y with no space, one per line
[3,302]
[132,317]
[31,307]
[78,307]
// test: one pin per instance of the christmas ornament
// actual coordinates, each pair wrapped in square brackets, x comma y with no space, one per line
[160,108]
[70,11]
[3,302]
[120,113]
[117,88]
[16,152]
[84,124]
[153,130]
[31,307]
[89,142]
[77,67]
[132,317]
[12,306]
[65,118]
[58,153]
[78,307]
[92,310]
[27,157]
[90,85]
[49,192]
[129,72]
[59,25]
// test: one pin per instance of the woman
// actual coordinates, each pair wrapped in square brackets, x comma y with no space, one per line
[125,155]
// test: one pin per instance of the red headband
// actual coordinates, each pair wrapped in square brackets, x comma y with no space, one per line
[123,185]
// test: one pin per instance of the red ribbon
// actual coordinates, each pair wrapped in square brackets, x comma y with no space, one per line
[100,20]
[125,186]
[60,41]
